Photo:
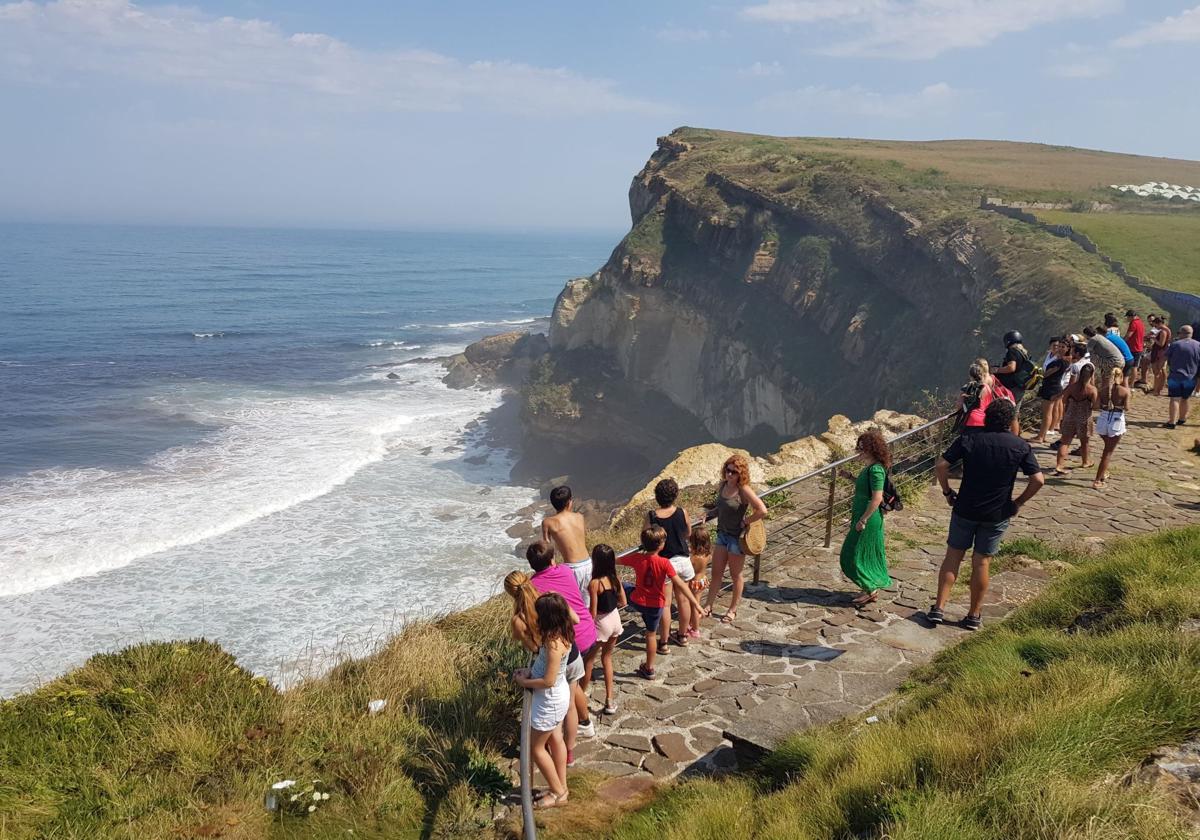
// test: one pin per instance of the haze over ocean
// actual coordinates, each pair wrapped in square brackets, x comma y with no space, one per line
[198,435]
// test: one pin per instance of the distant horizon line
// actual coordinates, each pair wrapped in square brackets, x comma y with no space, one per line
[322,228]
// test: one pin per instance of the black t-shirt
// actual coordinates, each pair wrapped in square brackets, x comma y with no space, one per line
[1011,380]
[990,464]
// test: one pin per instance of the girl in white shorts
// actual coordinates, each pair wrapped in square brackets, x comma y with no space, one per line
[547,680]
[607,598]
[1110,424]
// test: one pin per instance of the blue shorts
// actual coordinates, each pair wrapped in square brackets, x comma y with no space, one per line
[650,615]
[1181,388]
[731,543]
[984,536]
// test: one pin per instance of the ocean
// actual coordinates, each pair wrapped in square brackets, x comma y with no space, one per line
[236,434]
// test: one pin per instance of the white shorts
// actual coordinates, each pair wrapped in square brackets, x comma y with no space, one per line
[1110,423]
[550,706]
[582,569]
[683,567]
[574,669]
[608,626]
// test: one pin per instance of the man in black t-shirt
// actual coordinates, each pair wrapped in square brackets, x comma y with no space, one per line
[983,504]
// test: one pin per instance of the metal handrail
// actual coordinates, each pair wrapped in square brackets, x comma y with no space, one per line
[530,827]
[808,476]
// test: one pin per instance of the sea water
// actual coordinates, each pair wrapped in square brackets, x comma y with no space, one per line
[237,434]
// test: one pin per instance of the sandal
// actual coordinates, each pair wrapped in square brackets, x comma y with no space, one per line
[729,617]
[863,600]
[644,672]
[1060,472]
[1098,484]
[663,648]
[679,639]
[610,708]
[706,612]
[550,800]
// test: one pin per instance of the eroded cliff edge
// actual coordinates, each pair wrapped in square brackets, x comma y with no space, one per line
[767,284]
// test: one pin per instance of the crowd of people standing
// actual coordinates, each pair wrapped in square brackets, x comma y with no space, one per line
[567,612]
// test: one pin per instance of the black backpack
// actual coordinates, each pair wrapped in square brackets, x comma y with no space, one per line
[972,395]
[891,498]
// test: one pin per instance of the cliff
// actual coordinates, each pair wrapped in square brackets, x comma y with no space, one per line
[767,284]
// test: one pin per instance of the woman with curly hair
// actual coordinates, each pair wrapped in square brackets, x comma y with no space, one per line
[863,558]
[734,499]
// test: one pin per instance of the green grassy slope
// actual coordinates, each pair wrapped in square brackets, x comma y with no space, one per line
[1161,248]
[174,740]
[1023,731]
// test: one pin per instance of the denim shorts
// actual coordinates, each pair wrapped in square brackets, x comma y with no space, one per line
[650,615]
[1180,388]
[984,536]
[730,542]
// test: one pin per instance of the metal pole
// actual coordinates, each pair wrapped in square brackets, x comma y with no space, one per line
[530,832]
[829,510]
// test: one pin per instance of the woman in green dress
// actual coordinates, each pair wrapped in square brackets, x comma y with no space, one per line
[863,558]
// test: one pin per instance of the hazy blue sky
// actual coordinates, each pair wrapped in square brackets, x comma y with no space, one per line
[535,115]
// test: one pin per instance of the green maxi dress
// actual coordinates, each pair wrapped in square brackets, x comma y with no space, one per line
[863,558]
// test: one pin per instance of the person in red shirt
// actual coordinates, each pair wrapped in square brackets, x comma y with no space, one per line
[648,596]
[1135,337]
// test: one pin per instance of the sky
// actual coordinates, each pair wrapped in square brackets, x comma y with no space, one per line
[446,115]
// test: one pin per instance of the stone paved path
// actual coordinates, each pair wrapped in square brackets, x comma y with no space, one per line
[799,655]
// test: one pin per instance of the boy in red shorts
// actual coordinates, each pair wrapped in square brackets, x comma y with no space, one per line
[647,595]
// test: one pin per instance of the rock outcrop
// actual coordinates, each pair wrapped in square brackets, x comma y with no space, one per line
[498,360]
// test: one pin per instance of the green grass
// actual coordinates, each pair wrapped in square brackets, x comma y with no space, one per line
[1023,731]
[1161,248]
[174,740]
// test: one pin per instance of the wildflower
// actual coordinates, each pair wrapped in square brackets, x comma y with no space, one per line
[317,795]
[324,795]
[312,808]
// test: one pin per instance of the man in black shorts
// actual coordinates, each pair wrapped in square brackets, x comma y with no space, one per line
[983,504]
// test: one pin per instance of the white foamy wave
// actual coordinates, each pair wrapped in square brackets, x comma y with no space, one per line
[208,335]
[396,345]
[470,325]
[273,451]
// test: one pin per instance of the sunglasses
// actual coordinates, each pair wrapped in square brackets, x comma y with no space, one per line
[730,471]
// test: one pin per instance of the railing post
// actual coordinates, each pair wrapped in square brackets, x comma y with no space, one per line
[530,830]
[829,510]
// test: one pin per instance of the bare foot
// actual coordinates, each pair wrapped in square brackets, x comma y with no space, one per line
[1088,464]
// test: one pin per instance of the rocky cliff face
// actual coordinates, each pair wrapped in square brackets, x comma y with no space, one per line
[765,287]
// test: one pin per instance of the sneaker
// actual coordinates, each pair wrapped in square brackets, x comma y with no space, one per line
[972,622]
[610,708]
[1181,422]
[1169,425]
[693,633]
[570,758]
[935,616]
[587,730]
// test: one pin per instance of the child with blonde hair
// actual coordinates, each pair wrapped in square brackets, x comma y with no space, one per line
[700,551]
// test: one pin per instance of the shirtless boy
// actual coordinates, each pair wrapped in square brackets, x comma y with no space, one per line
[567,531]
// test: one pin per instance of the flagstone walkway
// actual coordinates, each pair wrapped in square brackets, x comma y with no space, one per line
[800,655]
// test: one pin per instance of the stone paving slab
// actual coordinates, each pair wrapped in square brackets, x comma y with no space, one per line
[800,655]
